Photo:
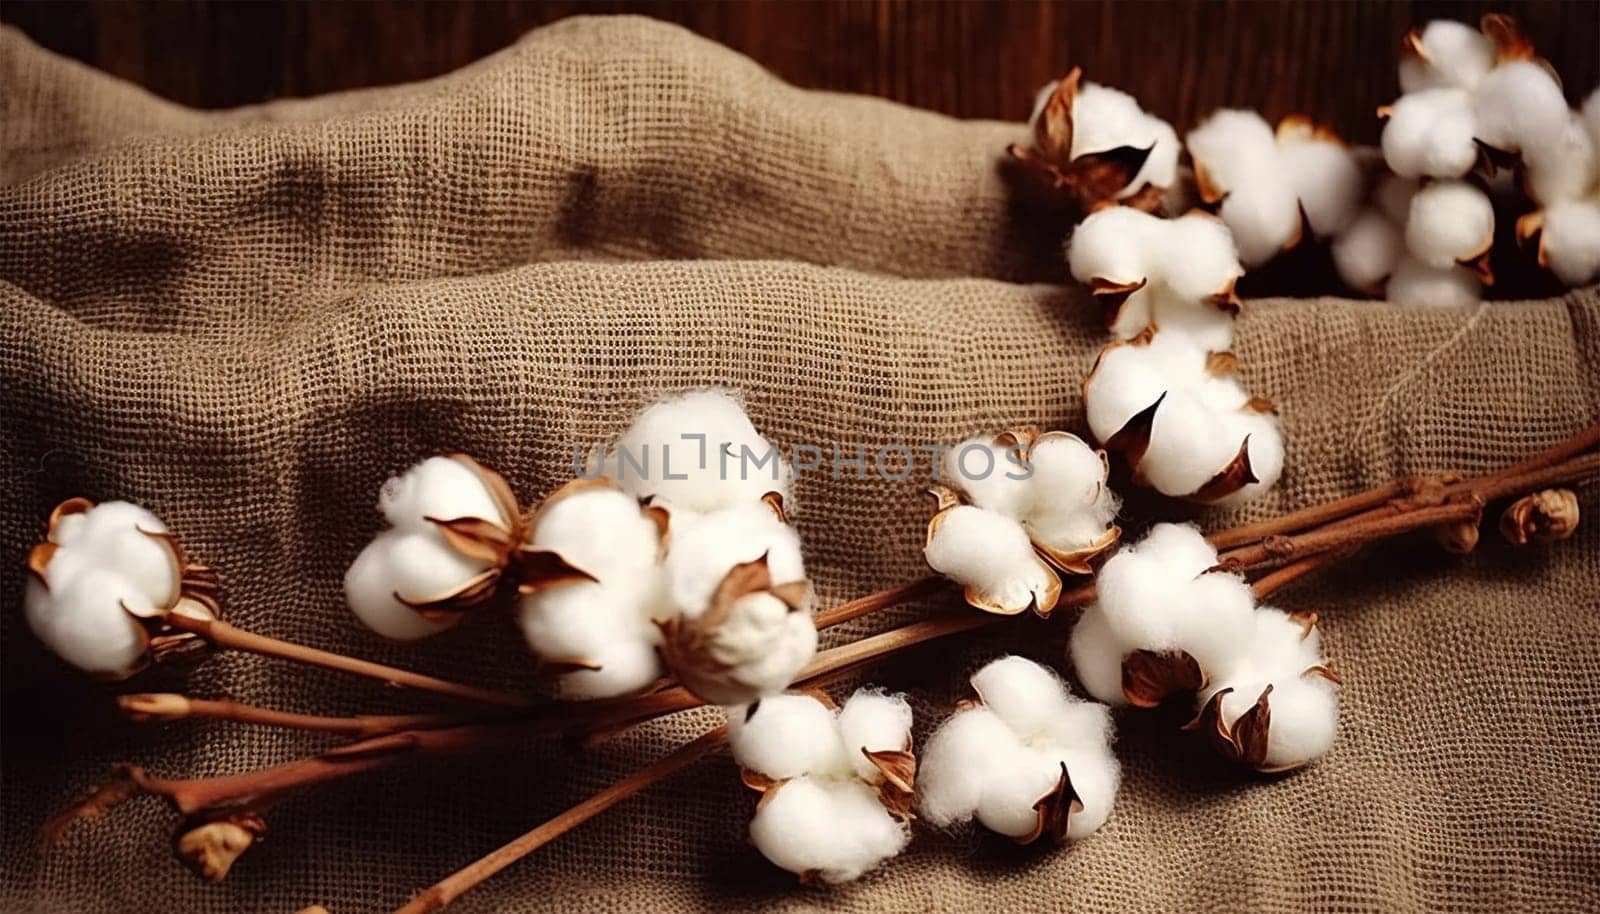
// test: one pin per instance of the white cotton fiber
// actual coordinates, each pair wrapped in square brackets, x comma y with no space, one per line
[83,622]
[1416,283]
[1565,169]
[1326,179]
[1449,222]
[996,761]
[786,736]
[1453,55]
[1303,706]
[371,582]
[703,551]
[1518,106]
[440,488]
[1055,489]
[1263,215]
[698,451]
[994,476]
[1366,253]
[757,650]
[1430,134]
[1570,240]
[601,531]
[835,830]
[991,553]
[1104,119]
[1591,117]
[114,536]
[873,721]
[1231,144]
[1118,243]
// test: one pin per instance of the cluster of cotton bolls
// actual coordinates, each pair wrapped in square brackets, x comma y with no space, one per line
[1020,508]
[102,582]
[681,560]
[1165,624]
[1094,146]
[836,783]
[1474,100]
[1026,758]
[1273,186]
[1165,394]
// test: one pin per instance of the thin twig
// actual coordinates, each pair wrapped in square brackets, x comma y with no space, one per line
[451,887]
[1274,581]
[224,634]
[873,602]
[166,706]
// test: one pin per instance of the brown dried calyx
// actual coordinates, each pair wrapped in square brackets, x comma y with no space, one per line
[1246,740]
[1543,517]
[1088,182]
[210,846]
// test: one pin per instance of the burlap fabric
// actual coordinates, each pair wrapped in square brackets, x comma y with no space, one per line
[247,319]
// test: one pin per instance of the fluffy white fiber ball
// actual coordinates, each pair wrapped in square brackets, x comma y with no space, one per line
[1366,253]
[1519,106]
[1570,240]
[990,552]
[1449,222]
[105,568]
[1416,283]
[1447,54]
[1430,134]
[697,451]
[996,761]
[823,816]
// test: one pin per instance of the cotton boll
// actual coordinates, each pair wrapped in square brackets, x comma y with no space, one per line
[1519,106]
[1449,222]
[990,553]
[605,624]
[1070,505]
[1365,254]
[1570,240]
[1326,179]
[1127,379]
[835,829]
[1230,145]
[1456,56]
[1189,445]
[1025,695]
[1218,619]
[624,667]
[758,650]
[601,531]
[1430,134]
[370,585]
[1305,720]
[786,736]
[873,721]
[1199,256]
[1104,119]
[1013,789]
[1262,213]
[731,464]
[82,620]
[1416,283]
[703,552]
[1161,165]
[441,488]
[1564,169]
[1264,437]
[115,536]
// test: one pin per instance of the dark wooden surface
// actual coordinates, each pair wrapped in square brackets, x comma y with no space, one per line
[1334,60]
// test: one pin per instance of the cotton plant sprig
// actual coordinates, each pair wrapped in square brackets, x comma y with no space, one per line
[1093,146]
[1293,544]
[1274,188]
[1025,758]
[836,783]
[1020,510]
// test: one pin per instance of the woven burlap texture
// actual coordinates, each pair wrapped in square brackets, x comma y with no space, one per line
[246,320]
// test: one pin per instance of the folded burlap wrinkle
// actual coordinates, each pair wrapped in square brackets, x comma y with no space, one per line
[246,320]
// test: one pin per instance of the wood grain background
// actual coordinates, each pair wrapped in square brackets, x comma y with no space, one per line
[969,59]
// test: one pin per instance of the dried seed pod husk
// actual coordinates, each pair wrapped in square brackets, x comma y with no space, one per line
[1151,677]
[209,846]
[1543,517]
[497,543]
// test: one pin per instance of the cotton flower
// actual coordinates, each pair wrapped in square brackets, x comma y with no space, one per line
[1271,184]
[697,452]
[1173,274]
[591,623]
[1094,146]
[454,530]
[835,784]
[1182,420]
[738,623]
[1026,758]
[102,582]
[1019,508]
[1166,624]
[1451,223]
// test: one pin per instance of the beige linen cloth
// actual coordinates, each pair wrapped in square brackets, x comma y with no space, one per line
[246,320]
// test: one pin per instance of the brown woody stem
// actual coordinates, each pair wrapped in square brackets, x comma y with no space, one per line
[451,887]
[883,599]
[226,635]
[1272,582]
[163,706]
